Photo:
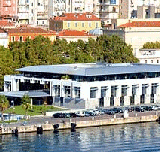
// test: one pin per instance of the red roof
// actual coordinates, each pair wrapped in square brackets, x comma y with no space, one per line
[142,24]
[77,17]
[29,30]
[6,23]
[74,33]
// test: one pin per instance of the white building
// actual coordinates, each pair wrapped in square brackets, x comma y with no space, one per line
[3,38]
[151,56]
[88,85]
[34,12]
[58,7]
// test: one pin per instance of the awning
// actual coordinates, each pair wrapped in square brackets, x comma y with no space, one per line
[20,94]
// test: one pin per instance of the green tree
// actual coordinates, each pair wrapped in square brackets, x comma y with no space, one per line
[4,104]
[26,103]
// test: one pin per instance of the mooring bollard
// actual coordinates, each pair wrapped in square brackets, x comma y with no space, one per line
[56,126]
[16,132]
[39,129]
[73,127]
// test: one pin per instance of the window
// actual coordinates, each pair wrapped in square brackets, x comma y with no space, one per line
[20,38]
[57,90]
[145,61]
[104,91]
[157,61]
[42,22]
[67,91]
[151,61]
[144,88]
[13,39]
[124,90]
[77,92]
[96,25]
[75,24]
[134,89]
[31,4]
[68,24]
[89,24]
[82,24]
[93,92]
[38,4]
[32,11]
[113,91]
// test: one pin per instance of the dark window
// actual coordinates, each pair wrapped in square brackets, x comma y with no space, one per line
[93,92]
[20,38]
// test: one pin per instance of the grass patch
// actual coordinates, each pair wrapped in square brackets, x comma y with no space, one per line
[36,110]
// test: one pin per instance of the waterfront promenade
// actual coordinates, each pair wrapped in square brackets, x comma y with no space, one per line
[47,123]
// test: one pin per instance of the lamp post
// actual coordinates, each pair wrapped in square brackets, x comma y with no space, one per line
[12,103]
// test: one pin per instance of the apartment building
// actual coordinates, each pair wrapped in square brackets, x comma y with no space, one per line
[8,9]
[138,9]
[57,7]
[34,12]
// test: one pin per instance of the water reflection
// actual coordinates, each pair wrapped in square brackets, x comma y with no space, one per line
[127,137]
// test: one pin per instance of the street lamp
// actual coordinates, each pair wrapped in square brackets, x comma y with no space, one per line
[12,103]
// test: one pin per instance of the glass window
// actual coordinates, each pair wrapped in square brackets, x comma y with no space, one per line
[151,61]
[57,90]
[104,91]
[82,24]
[67,91]
[93,92]
[145,61]
[77,92]
[113,91]
[157,61]
[75,24]
[89,24]
[124,90]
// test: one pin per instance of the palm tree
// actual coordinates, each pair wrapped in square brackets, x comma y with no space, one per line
[4,104]
[26,103]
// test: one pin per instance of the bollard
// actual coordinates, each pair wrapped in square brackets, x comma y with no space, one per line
[56,126]
[16,132]
[39,129]
[73,127]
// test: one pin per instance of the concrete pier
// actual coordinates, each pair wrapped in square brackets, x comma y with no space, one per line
[79,124]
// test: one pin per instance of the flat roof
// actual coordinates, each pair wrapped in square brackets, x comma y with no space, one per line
[93,69]
[20,94]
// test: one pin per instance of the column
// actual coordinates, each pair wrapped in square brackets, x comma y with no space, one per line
[138,94]
[129,94]
[148,94]
[107,98]
[118,95]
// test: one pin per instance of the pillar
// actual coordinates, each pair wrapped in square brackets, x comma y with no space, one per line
[118,95]
[148,94]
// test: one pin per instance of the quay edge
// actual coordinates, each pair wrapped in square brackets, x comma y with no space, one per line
[79,124]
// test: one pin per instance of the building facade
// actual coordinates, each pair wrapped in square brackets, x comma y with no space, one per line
[74,36]
[34,12]
[21,33]
[8,8]
[151,56]
[89,85]
[74,21]
[137,33]
[58,7]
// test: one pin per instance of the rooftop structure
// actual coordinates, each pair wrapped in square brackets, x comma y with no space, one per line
[93,69]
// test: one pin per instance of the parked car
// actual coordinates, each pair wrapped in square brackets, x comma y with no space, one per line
[139,109]
[110,112]
[59,115]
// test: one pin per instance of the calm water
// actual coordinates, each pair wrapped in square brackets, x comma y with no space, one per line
[128,137]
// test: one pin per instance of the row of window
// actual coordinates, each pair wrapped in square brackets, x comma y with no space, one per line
[150,61]
[93,90]
[67,90]
[83,24]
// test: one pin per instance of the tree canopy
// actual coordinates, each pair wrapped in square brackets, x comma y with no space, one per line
[151,45]
[41,51]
